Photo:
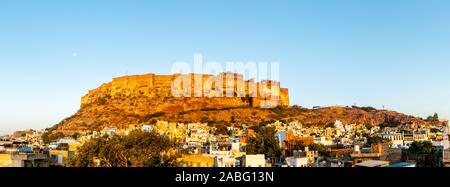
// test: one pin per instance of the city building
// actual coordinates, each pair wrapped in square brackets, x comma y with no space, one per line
[23,160]
[60,157]
[196,160]
[258,160]
[297,161]
[225,161]
[372,164]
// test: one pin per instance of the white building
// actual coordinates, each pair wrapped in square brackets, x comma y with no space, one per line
[297,161]
[396,139]
[111,131]
[323,141]
[339,125]
[67,140]
[235,147]
[147,128]
[258,160]
[401,140]
[224,161]
[445,136]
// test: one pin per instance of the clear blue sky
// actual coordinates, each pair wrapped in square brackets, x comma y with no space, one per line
[394,53]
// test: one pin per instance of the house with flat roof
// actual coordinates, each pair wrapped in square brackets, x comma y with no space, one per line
[372,163]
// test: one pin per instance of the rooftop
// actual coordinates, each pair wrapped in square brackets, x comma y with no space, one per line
[373,163]
[402,165]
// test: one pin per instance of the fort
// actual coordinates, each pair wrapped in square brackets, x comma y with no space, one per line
[266,93]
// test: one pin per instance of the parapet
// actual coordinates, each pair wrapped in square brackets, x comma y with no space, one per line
[223,85]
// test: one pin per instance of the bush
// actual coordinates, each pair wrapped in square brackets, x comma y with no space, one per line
[365,108]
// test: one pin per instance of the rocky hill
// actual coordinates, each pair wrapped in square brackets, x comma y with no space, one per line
[139,98]
[146,98]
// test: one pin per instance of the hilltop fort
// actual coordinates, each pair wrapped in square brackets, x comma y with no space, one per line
[266,93]
[140,98]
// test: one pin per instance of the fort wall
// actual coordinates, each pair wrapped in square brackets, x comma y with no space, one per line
[267,93]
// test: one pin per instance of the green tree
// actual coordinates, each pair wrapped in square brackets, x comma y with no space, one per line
[375,140]
[433,118]
[264,143]
[50,136]
[425,147]
[436,117]
[322,149]
[76,135]
[138,149]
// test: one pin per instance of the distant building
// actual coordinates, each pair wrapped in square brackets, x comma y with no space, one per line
[323,140]
[225,161]
[196,160]
[446,146]
[297,161]
[23,160]
[111,131]
[408,139]
[446,158]
[147,128]
[60,157]
[258,160]
[380,151]
[308,154]
[397,139]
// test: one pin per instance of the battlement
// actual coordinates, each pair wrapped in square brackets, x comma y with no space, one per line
[198,85]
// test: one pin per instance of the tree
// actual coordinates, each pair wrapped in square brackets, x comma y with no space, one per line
[433,118]
[375,140]
[49,136]
[264,142]
[76,135]
[322,149]
[221,129]
[138,149]
[424,147]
